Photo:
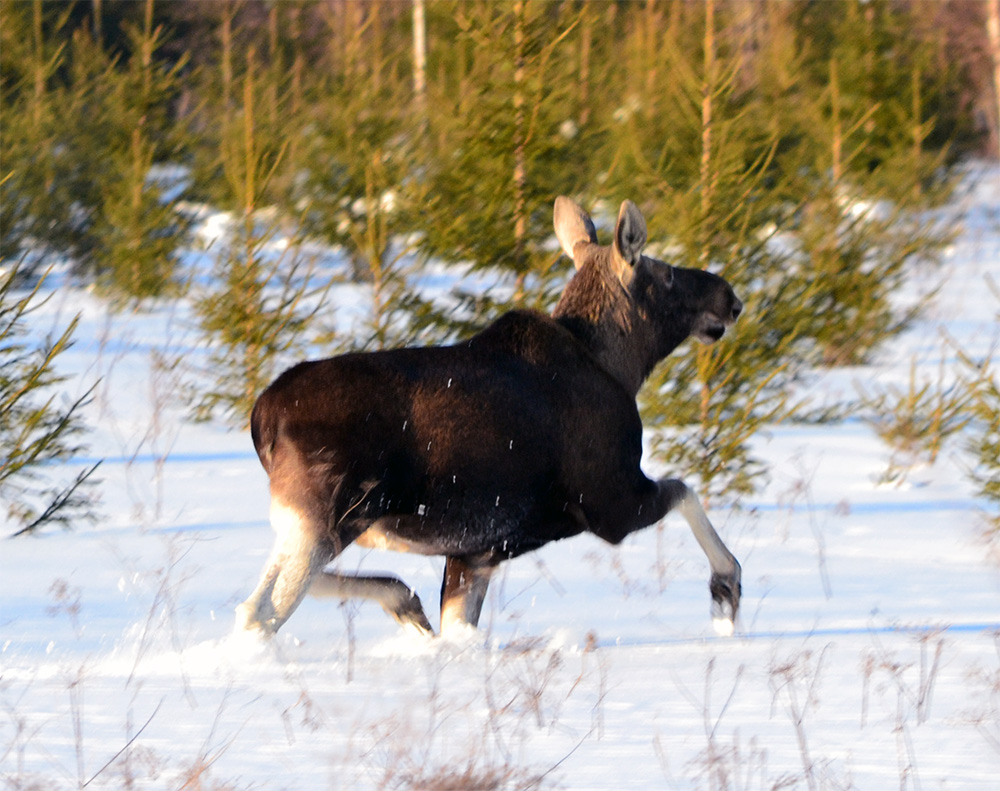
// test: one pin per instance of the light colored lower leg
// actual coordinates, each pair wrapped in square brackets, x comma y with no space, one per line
[719,557]
[396,598]
[725,568]
[462,596]
[294,561]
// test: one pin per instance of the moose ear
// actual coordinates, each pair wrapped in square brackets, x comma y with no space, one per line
[630,234]
[573,225]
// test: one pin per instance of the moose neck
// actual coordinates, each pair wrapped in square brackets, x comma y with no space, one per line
[597,308]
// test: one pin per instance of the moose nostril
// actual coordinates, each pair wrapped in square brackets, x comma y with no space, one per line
[737,309]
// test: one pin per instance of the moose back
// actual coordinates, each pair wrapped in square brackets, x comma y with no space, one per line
[526,433]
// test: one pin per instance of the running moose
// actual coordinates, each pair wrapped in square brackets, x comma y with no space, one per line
[524,434]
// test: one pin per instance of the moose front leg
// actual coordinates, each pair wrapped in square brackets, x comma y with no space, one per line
[725,582]
[649,502]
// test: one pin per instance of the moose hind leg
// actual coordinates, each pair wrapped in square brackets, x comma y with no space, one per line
[463,590]
[396,598]
[725,584]
[295,559]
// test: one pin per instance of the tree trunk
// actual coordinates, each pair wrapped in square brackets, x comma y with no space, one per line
[419,54]
[249,145]
[993,32]
[520,171]
[837,143]
[707,97]
[226,34]
[38,68]
[98,23]
[275,68]
[583,90]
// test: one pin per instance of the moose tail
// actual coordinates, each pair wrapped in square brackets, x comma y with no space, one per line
[264,430]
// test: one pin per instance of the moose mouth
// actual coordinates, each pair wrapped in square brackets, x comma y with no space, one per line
[709,328]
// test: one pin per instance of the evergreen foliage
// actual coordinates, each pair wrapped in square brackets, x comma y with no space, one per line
[916,421]
[256,312]
[892,88]
[705,166]
[81,130]
[36,191]
[360,150]
[503,141]
[985,418]
[986,444]
[792,147]
[760,192]
[138,231]
[258,305]
[35,429]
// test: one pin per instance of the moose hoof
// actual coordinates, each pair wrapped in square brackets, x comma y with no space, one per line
[723,618]
[247,621]
[407,611]
[724,627]
[725,604]
[417,621]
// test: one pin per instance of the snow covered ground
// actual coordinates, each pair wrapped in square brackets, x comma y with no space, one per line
[868,655]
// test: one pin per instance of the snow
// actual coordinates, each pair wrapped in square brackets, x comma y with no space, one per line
[867,655]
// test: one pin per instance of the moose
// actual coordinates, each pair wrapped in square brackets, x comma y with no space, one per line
[481,451]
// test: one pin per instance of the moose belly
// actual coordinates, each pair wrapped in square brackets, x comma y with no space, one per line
[427,535]
[502,533]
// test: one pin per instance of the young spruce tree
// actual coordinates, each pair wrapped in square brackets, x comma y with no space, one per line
[504,139]
[35,429]
[862,180]
[702,166]
[137,231]
[362,138]
[261,299]
[82,126]
[36,207]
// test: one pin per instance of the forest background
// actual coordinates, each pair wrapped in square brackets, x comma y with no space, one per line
[797,148]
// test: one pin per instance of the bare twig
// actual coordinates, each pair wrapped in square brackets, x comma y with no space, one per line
[128,744]
[793,678]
